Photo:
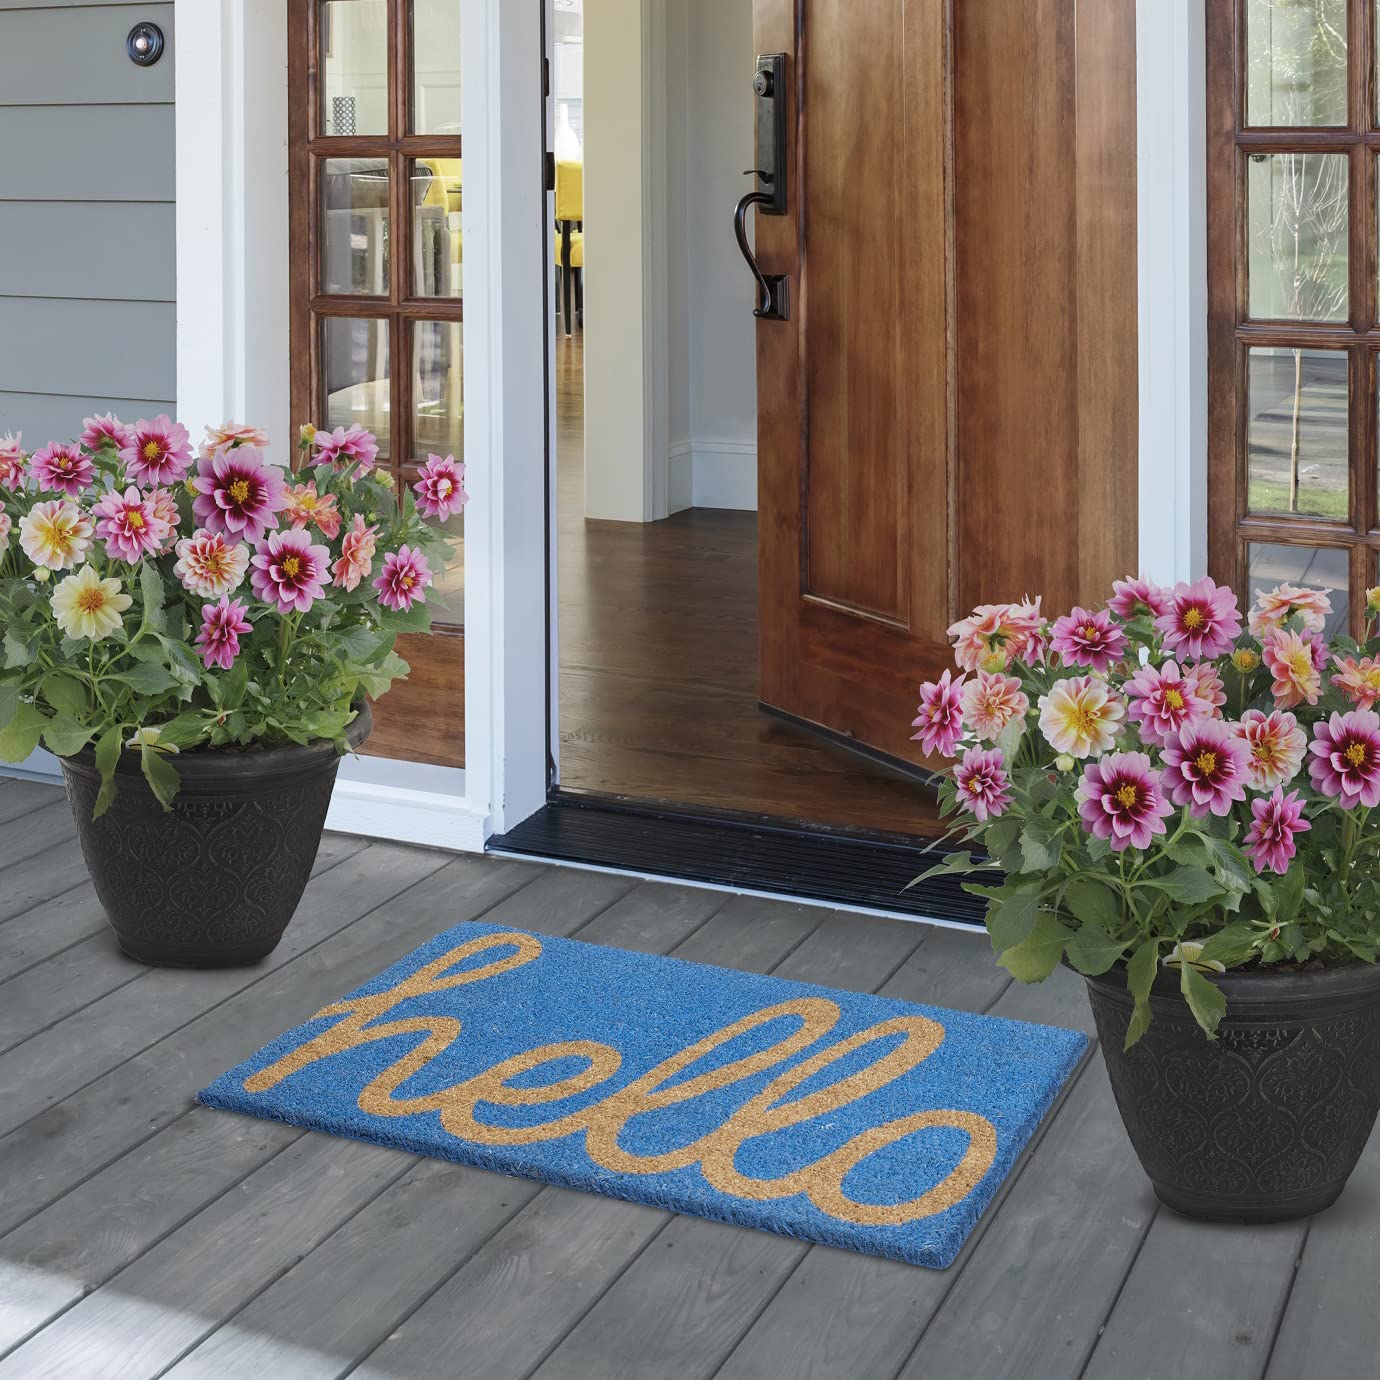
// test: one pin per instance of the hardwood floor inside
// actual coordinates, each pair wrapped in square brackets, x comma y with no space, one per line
[658,679]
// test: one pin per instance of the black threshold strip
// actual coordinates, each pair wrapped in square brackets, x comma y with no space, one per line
[844,869]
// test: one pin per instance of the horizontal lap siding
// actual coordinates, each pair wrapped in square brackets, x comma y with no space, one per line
[87,222]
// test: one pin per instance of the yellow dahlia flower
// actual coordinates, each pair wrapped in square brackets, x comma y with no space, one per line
[87,606]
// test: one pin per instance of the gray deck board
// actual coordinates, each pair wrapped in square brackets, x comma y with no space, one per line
[142,1236]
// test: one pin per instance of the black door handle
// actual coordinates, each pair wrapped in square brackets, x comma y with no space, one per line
[774,289]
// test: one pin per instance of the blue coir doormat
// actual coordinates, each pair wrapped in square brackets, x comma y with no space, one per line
[828,1116]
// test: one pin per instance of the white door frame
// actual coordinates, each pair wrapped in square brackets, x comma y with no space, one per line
[233,252]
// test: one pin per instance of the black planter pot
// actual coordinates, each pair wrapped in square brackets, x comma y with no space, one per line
[1266,1123]
[214,882]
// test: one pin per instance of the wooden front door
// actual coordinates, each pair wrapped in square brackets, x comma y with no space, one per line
[949,416]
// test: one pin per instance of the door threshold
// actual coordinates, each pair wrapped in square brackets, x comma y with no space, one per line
[846,869]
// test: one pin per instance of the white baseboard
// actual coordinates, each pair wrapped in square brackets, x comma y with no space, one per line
[710,473]
[428,819]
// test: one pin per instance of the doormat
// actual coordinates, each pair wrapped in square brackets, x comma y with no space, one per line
[832,1117]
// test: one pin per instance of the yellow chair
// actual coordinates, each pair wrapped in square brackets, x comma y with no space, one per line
[445,191]
[570,242]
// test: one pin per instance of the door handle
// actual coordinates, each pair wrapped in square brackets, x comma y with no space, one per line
[769,193]
[774,289]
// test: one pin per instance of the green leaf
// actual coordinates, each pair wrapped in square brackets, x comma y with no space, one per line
[66,694]
[151,586]
[1141,973]
[107,758]
[9,704]
[20,651]
[1036,958]
[1039,845]
[65,736]
[161,775]
[21,735]
[1093,902]
[1204,998]
[416,620]
[954,865]
[1231,946]
[1188,884]
[1093,952]
[183,731]
[147,679]
[1011,916]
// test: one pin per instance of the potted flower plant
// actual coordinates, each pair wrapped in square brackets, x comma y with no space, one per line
[198,638]
[1183,809]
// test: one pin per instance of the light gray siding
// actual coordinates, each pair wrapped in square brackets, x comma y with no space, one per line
[87,225]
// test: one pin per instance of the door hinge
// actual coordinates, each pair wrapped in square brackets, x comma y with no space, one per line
[550,172]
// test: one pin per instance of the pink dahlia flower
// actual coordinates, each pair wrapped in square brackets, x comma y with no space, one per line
[161,452]
[1163,702]
[1207,685]
[239,494]
[165,505]
[1269,842]
[231,436]
[307,508]
[440,488]
[1359,680]
[1203,621]
[983,785]
[1207,769]
[222,626]
[1082,717]
[991,703]
[404,579]
[107,430]
[940,717]
[1273,610]
[55,535]
[6,523]
[994,636]
[209,566]
[1292,659]
[344,447]
[1135,597]
[1277,746]
[1088,639]
[1346,758]
[1121,799]
[289,572]
[12,461]
[62,469]
[356,555]
[130,526]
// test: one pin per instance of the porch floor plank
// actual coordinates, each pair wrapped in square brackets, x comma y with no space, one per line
[142,1236]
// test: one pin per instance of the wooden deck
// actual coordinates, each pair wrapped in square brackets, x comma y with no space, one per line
[142,1236]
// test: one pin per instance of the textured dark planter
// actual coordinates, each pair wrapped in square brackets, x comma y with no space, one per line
[1266,1123]
[214,883]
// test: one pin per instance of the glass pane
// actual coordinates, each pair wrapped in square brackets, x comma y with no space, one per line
[437,237]
[354,363]
[1296,62]
[436,58]
[438,428]
[1297,432]
[354,67]
[354,236]
[1313,567]
[1298,236]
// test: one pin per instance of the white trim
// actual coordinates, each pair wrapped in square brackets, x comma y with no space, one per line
[427,818]
[711,473]
[1172,251]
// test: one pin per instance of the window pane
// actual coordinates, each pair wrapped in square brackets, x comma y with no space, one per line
[354,67]
[354,362]
[436,57]
[1297,432]
[1298,231]
[354,233]
[437,237]
[1314,567]
[438,389]
[1296,62]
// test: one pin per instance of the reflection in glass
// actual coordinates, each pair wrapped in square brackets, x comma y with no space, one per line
[1297,432]
[438,428]
[1296,62]
[354,67]
[354,225]
[1314,567]
[354,361]
[437,235]
[436,59]
[1297,204]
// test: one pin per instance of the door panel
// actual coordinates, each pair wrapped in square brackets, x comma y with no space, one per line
[949,417]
